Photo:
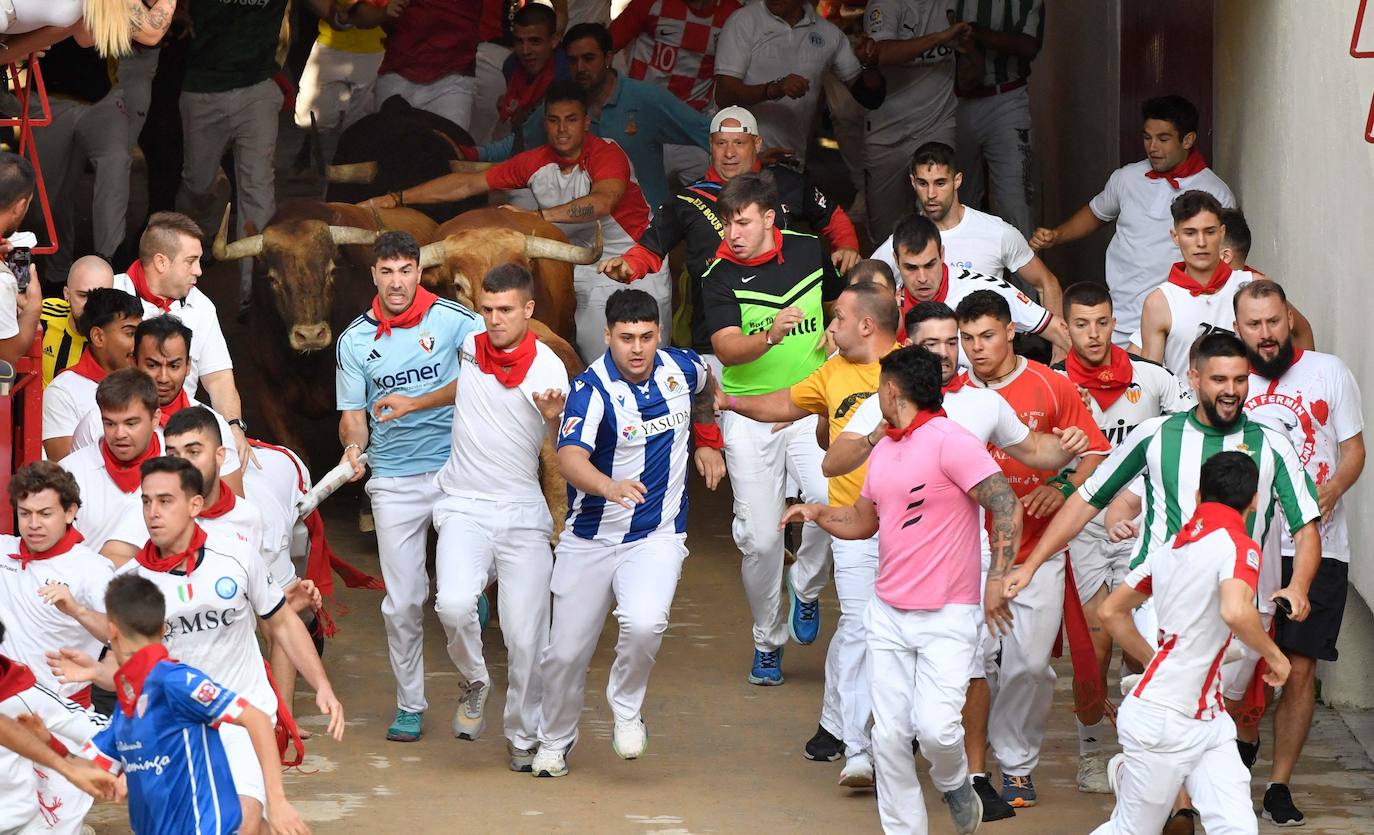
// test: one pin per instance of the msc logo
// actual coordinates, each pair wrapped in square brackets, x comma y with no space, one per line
[200,622]
[226,588]
[407,377]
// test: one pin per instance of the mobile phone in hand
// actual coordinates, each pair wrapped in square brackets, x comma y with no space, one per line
[1284,605]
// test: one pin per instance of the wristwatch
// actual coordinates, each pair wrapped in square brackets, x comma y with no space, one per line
[239,422]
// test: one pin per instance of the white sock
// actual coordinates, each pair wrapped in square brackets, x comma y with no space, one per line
[1089,737]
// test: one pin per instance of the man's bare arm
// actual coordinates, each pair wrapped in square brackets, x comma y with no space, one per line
[599,203]
[1155,322]
[1004,535]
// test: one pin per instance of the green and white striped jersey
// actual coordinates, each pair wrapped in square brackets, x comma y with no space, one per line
[1169,451]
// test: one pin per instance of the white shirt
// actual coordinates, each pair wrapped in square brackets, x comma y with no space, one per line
[246,523]
[89,431]
[32,626]
[1317,403]
[498,431]
[757,47]
[983,412]
[107,514]
[209,351]
[1141,250]
[1191,317]
[983,243]
[212,616]
[9,304]
[65,400]
[920,96]
[29,15]
[275,485]
[1185,672]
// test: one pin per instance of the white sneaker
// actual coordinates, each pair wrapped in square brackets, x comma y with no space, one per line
[630,739]
[549,762]
[468,720]
[1092,774]
[1114,766]
[857,772]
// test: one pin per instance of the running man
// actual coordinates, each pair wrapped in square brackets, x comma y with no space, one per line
[921,495]
[1173,725]
[395,383]
[623,447]
[492,516]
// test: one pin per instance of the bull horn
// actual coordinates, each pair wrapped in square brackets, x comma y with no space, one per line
[537,247]
[352,235]
[351,172]
[432,255]
[249,247]
[460,166]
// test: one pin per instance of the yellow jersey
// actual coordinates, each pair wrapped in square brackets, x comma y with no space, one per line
[62,345]
[351,40]
[835,390]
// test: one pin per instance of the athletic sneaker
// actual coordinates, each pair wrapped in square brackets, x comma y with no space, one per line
[1114,766]
[549,762]
[483,611]
[803,618]
[405,727]
[824,747]
[1181,822]
[767,670]
[1092,773]
[965,809]
[994,807]
[857,772]
[1019,792]
[1278,806]
[521,759]
[630,738]
[468,720]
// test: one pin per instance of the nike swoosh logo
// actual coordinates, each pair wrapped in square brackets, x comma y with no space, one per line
[747,280]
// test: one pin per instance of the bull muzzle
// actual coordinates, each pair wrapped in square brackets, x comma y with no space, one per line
[315,336]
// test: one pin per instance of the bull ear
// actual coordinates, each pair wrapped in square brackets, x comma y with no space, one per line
[342,235]
[352,172]
[249,247]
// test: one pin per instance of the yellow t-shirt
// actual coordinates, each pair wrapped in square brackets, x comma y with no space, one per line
[62,345]
[835,390]
[351,40]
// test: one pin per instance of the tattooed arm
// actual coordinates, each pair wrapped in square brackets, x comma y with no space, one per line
[859,521]
[148,22]
[604,196]
[1004,539]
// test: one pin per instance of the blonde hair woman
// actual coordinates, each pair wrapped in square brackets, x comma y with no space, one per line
[111,26]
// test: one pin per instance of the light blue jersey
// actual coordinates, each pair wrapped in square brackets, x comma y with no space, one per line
[409,361]
[634,431]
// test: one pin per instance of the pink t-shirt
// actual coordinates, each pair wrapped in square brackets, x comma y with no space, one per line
[928,552]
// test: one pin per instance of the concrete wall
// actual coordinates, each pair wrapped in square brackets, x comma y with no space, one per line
[1291,106]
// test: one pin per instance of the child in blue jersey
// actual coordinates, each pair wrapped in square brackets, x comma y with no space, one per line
[164,735]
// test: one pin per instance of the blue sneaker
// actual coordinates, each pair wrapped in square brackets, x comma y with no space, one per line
[405,727]
[767,670]
[803,618]
[1018,792]
[483,611]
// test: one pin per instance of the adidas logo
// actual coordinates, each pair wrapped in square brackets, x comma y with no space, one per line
[373,355]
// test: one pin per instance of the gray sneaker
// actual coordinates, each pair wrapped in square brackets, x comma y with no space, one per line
[468,720]
[965,809]
[521,759]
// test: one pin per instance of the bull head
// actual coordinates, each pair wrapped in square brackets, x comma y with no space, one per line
[299,257]
[444,251]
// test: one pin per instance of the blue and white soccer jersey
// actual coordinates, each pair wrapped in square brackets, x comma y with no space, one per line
[171,754]
[634,431]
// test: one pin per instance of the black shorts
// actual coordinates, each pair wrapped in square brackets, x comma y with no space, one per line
[1316,636]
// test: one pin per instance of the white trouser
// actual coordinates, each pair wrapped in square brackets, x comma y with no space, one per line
[243,762]
[640,578]
[997,130]
[61,806]
[337,87]
[1023,685]
[80,132]
[246,120]
[490,84]
[845,708]
[474,535]
[760,461]
[1164,751]
[450,96]
[918,660]
[592,289]
[1098,562]
[847,118]
[401,507]
[135,84]
[887,178]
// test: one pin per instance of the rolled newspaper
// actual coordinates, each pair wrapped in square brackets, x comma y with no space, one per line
[325,487]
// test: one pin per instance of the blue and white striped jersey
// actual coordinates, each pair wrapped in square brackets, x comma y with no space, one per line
[634,431]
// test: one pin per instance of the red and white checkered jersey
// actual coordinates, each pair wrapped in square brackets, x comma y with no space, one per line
[673,45]
[555,181]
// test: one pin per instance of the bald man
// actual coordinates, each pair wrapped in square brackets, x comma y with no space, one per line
[62,343]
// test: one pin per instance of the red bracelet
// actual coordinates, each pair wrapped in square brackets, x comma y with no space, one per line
[708,435]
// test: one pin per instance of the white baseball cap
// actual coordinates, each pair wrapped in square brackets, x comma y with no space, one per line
[747,123]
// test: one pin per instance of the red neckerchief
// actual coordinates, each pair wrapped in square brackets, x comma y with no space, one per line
[181,401]
[922,418]
[14,678]
[724,251]
[140,281]
[1179,277]
[713,177]
[87,367]
[508,367]
[152,559]
[408,318]
[62,546]
[523,92]
[1209,517]
[125,474]
[1192,164]
[909,301]
[1105,383]
[222,505]
[131,674]
[959,381]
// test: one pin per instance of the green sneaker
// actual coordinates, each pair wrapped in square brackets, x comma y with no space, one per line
[405,727]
